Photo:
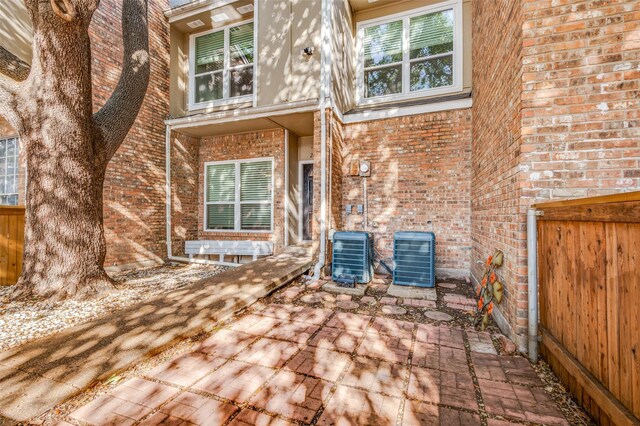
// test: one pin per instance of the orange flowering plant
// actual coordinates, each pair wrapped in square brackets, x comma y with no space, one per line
[490,290]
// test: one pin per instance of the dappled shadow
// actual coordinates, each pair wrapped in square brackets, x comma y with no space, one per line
[36,376]
[285,363]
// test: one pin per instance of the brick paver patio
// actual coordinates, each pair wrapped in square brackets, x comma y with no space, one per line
[285,364]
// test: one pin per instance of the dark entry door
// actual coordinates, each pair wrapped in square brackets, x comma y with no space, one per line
[307,201]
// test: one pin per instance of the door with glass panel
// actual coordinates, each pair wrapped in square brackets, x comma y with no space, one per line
[307,201]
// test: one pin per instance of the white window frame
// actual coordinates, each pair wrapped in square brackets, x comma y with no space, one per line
[17,164]
[406,93]
[226,71]
[237,216]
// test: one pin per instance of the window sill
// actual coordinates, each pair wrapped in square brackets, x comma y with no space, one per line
[404,102]
[228,233]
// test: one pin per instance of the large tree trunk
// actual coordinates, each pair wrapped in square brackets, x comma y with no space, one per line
[67,146]
[65,248]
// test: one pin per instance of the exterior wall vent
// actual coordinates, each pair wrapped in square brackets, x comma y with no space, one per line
[352,257]
[195,24]
[247,8]
[414,258]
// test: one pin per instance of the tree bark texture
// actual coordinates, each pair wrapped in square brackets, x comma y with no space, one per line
[67,146]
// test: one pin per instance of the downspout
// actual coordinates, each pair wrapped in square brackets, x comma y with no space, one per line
[286,187]
[324,89]
[532,268]
[167,168]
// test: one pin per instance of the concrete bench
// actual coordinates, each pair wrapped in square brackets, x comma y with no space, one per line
[229,248]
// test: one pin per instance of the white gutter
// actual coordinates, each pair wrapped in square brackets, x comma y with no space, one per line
[242,114]
[170,255]
[324,91]
[532,283]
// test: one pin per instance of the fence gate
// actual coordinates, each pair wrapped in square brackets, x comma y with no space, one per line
[589,294]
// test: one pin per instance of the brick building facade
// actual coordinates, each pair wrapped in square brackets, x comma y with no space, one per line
[420,180]
[134,192]
[497,222]
[554,87]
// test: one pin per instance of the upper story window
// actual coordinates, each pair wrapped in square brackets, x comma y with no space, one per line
[239,195]
[9,171]
[222,66]
[411,55]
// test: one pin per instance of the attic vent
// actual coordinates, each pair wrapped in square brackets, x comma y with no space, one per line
[414,258]
[352,257]
[247,8]
[195,24]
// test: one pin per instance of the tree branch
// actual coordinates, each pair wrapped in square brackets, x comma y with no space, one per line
[64,9]
[119,113]
[9,101]
[12,66]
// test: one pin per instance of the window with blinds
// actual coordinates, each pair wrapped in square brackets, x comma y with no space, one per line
[9,171]
[239,195]
[222,65]
[408,54]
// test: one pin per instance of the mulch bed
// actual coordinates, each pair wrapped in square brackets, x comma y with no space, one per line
[25,320]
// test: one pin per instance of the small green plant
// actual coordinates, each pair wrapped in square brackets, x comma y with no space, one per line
[491,290]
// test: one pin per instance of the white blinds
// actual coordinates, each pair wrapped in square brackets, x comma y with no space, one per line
[431,34]
[383,44]
[210,52]
[238,196]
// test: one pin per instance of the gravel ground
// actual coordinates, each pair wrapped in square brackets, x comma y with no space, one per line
[23,321]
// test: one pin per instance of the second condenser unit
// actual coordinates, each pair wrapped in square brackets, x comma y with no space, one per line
[414,258]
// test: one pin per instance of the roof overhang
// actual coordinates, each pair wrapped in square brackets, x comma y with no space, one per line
[194,8]
[295,116]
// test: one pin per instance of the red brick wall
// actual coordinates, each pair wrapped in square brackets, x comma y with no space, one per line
[420,173]
[317,168]
[134,193]
[268,143]
[336,159]
[497,221]
[581,99]
[556,115]
[184,190]
[335,142]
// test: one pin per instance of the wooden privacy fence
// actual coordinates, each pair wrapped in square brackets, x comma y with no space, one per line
[589,295]
[11,243]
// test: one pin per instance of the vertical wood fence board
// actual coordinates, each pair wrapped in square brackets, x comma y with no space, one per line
[4,249]
[613,315]
[589,296]
[11,243]
[634,300]
[12,275]
[625,319]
